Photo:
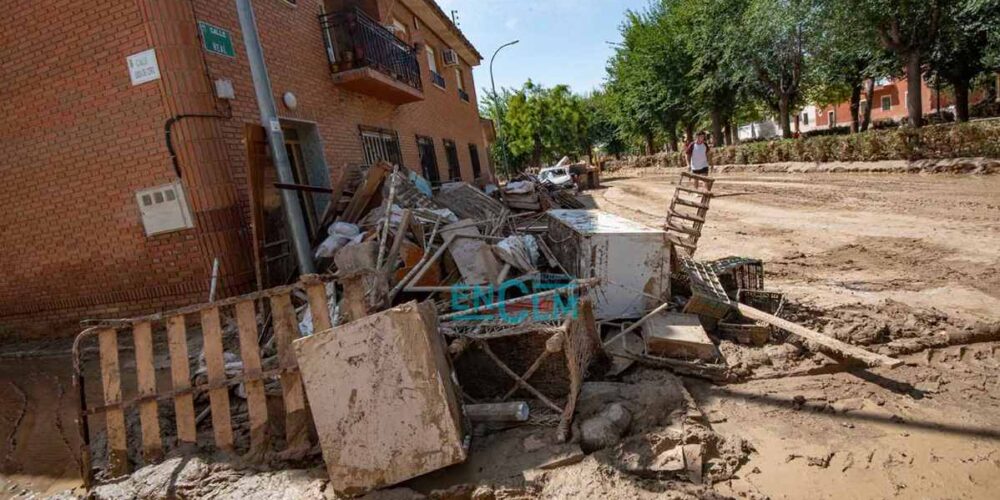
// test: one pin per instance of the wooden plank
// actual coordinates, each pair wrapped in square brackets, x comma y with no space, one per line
[149,418]
[286,331]
[825,343]
[180,376]
[246,320]
[115,419]
[211,329]
[319,307]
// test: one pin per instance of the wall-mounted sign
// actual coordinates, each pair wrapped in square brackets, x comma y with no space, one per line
[216,40]
[142,67]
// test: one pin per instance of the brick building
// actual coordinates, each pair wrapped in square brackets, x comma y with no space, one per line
[84,157]
[889,103]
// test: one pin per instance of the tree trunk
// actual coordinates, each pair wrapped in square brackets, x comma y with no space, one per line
[536,153]
[855,109]
[961,100]
[689,131]
[869,95]
[650,143]
[786,126]
[717,139]
[914,78]
[672,138]
[734,127]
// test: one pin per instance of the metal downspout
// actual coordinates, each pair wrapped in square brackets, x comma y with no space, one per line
[275,137]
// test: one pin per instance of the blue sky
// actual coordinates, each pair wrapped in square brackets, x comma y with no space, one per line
[562,41]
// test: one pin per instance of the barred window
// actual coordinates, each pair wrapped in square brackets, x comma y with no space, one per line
[381,144]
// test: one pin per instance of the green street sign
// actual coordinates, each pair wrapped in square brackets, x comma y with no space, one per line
[216,40]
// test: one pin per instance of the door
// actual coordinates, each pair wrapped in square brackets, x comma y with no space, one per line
[273,258]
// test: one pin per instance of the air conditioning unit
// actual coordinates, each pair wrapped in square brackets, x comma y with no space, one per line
[450,57]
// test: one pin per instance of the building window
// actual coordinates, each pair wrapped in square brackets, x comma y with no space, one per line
[460,82]
[886,103]
[428,160]
[832,118]
[432,66]
[862,107]
[454,168]
[477,170]
[805,118]
[381,145]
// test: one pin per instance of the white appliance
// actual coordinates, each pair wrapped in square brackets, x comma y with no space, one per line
[632,260]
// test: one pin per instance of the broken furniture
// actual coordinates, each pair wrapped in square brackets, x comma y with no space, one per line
[630,259]
[171,330]
[752,332]
[687,212]
[382,398]
[531,361]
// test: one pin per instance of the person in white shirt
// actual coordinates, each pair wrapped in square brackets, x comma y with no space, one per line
[698,156]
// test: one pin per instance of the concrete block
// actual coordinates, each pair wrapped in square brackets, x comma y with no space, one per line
[382,398]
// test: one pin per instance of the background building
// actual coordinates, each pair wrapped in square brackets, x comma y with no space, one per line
[97,221]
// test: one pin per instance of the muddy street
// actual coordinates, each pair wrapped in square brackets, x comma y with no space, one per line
[867,259]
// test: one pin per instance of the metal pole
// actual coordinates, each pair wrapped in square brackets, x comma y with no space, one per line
[275,137]
[493,84]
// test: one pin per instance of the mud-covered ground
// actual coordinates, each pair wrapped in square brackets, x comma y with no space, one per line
[878,260]
[895,262]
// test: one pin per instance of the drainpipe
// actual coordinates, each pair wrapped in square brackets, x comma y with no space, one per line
[269,119]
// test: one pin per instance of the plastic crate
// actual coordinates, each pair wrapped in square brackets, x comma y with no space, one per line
[751,332]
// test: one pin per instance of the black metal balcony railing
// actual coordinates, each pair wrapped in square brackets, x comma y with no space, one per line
[437,79]
[355,40]
[463,95]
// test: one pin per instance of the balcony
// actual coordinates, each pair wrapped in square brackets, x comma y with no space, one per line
[367,58]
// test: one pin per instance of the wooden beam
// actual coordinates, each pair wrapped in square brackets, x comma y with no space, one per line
[825,343]
[152,444]
[115,419]
[285,331]
[246,320]
[215,362]
[180,375]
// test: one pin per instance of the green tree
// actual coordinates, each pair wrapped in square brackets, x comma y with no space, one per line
[542,123]
[712,35]
[846,58]
[910,29]
[963,50]
[648,76]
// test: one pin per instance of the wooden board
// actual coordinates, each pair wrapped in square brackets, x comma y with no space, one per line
[246,320]
[825,344]
[678,335]
[180,375]
[152,445]
[382,397]
[473,257]
[215,363]
[115,418]
[285,331]
[319,307]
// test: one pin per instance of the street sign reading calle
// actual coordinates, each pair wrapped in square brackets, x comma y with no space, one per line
[216,40]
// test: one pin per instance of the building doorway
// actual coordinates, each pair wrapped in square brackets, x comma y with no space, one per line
[274,258]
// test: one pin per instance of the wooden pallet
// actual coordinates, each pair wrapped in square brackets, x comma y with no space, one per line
[688,211]
[181,393]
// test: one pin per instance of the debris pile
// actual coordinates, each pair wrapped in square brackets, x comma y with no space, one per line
[446,315]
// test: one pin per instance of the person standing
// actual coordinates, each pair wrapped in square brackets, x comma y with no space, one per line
[698,156]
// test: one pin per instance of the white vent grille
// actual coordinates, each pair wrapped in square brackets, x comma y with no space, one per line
[164,209]
[450,57]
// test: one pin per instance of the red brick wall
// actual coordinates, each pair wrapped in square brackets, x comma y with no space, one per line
[896,92]
[77,140]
